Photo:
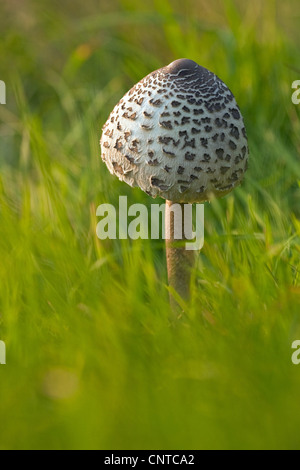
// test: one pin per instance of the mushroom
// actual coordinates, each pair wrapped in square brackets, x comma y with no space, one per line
[178,134]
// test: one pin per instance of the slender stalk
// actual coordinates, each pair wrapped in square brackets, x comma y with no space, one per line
[179,260]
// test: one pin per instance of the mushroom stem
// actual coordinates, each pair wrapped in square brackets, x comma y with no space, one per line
[180,261]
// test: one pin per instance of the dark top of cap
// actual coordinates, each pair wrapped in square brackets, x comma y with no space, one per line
[186,70]
[181,65]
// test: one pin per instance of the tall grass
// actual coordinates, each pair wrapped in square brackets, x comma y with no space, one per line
[92,358]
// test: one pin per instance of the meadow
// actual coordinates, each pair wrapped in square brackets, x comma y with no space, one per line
[93,359]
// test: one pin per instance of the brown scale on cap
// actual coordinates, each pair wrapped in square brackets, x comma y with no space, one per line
[180,119]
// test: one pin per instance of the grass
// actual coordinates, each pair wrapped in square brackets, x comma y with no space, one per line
[92,359]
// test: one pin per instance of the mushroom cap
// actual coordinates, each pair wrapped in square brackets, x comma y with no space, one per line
[177,134]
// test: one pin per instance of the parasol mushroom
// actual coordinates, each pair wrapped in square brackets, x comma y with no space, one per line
[177,134]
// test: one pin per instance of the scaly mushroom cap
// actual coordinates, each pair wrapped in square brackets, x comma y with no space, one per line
[177,134]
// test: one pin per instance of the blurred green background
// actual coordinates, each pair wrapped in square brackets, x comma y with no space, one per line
[92,358]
